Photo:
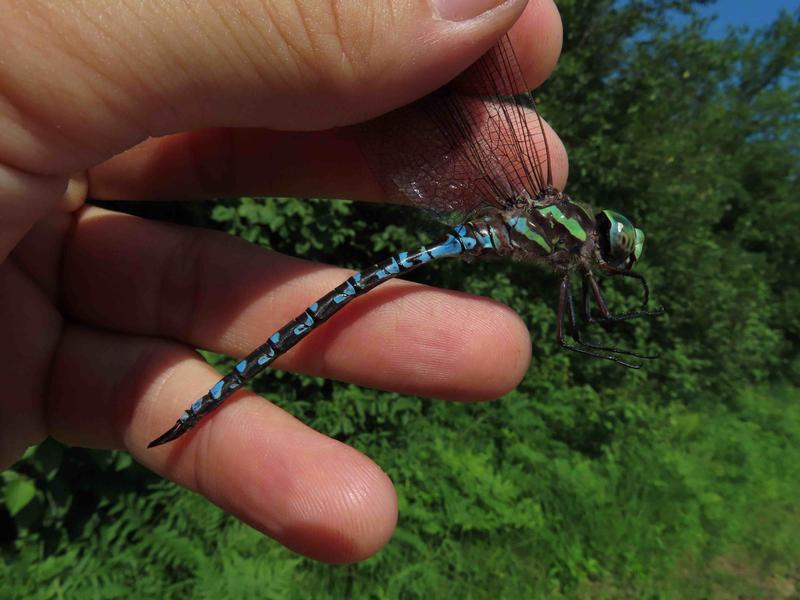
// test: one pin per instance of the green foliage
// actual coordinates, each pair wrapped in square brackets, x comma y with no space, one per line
[679,480]
[683,502]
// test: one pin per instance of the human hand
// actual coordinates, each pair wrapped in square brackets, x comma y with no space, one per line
[100,311]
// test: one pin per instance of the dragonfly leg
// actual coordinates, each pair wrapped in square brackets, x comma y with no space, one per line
[639,277]
[576,333]
[634,275]
[566,304]
[606,316]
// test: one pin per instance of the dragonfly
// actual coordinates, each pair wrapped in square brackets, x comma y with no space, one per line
[486,159]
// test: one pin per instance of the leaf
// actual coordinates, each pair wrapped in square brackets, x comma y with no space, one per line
[18,494]
[48,457]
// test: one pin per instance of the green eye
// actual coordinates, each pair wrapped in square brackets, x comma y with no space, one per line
[639,247]
[622,236]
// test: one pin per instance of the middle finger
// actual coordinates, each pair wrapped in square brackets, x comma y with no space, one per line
[215,292]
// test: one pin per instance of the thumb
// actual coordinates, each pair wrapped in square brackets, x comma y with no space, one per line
[86,80]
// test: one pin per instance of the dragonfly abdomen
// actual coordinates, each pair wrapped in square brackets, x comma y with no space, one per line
[464,240]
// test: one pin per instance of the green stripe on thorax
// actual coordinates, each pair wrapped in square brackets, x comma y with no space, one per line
[521,226]
[571,224]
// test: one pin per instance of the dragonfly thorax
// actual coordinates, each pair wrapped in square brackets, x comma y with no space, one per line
[560,233]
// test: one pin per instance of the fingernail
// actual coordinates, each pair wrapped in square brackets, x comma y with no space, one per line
[77,190]
[463,10]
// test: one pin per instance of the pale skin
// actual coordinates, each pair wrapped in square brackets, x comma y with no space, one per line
[100,312]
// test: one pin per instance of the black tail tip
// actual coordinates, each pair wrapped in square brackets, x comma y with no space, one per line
[171,434]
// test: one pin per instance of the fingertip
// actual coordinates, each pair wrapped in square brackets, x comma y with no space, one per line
[522,350]
[502,359]
[351,516]
[559,158]
[537,38]
[313,494]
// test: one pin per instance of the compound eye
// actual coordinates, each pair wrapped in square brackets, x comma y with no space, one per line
[638,249]
[622,236]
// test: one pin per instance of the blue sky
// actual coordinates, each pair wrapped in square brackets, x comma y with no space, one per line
[754,13]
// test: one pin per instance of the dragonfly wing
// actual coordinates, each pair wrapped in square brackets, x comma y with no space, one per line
[458,152]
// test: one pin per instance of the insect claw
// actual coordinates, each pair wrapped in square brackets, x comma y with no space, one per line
[656,312]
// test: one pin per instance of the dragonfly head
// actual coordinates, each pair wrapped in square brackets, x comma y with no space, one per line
[621,244]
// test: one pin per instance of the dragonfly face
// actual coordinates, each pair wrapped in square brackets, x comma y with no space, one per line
[620,243]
